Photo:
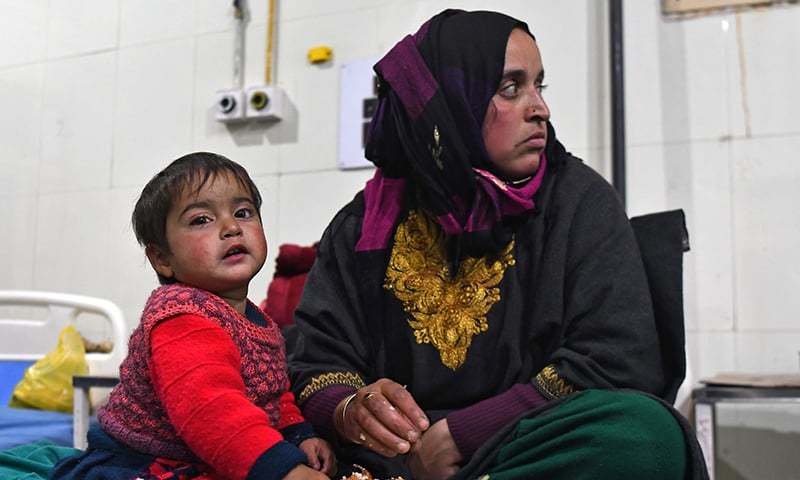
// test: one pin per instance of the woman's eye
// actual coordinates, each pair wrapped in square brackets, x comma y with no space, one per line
[509,90]
[201,220]
[243,213]
[541,87]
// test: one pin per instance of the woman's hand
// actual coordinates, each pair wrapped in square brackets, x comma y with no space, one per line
[320,455]
[383,417]
[436,455]
[302,472]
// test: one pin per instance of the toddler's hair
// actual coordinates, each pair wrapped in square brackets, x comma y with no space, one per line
[149,217]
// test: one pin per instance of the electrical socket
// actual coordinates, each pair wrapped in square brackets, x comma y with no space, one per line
[265,102]
[229,106]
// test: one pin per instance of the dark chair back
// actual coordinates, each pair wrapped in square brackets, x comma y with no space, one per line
[662,239]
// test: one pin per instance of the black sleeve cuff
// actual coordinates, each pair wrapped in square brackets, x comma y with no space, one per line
[276,462]
[298,432]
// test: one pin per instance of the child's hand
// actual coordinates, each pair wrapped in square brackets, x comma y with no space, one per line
[302,472]
[320,455]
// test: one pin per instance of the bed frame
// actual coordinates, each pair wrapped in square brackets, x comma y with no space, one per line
[23,340]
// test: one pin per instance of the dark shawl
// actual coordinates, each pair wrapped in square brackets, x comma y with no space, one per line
[436,86]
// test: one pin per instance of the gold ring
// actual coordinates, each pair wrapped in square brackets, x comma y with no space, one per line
[361,439]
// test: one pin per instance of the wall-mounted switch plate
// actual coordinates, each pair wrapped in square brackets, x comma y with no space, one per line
[265,102]
[229,106]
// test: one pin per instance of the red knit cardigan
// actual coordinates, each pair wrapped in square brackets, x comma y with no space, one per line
[201,383]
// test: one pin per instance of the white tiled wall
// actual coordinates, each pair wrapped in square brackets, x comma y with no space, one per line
[77,27]
[98,95]
[766,232]
[24,27]
[77,114]
[153,108]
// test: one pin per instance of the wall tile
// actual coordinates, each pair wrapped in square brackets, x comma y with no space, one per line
[146,21]
[766,232]
[708,266]
[247,143]
[93,254]
[153,116]
[73,243]
[214,16]
[647,188]
[81,26]
[303,217]
[710,353]
[712,94]
[398,19]
[20,128]
[77,123]
[763,352]
[643,84]
[323,8]
[316,87]
[127,259]
[771,43]
[676,91]
[256,55]
[336,31]
[598,159]
[19,243]
[24,27]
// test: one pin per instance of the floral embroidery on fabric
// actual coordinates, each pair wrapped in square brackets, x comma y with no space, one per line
[327,379]
[446,312]
[552,384]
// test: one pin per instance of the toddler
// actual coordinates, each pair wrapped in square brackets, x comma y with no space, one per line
[204,391]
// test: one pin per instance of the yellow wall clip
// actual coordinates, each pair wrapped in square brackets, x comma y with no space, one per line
[320,54]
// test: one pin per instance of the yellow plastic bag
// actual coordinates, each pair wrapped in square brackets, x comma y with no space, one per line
[47,384]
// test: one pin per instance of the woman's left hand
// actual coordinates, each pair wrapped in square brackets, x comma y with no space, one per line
[435,456]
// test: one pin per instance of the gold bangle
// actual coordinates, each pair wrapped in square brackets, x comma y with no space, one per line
[344,413]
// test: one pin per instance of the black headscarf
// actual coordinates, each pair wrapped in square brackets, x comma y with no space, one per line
[435,88]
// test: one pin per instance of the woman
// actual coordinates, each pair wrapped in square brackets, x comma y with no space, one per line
[484,273]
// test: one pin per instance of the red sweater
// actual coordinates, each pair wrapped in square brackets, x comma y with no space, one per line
[194,366]
[204,384]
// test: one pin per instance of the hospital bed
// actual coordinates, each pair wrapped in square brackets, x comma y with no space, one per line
[30,322]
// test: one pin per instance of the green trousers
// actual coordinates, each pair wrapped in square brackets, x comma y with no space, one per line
[595,435]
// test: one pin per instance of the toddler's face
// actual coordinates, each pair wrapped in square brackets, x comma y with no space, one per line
[216,238]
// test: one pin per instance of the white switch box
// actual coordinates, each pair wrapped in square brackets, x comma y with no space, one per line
[229,106]
[265,102]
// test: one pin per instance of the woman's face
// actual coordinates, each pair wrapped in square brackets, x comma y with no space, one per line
[515,128]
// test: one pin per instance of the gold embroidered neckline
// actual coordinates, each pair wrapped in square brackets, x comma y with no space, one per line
[445,312]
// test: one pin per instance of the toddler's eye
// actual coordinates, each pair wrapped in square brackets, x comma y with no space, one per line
[243,213]
[200,220]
